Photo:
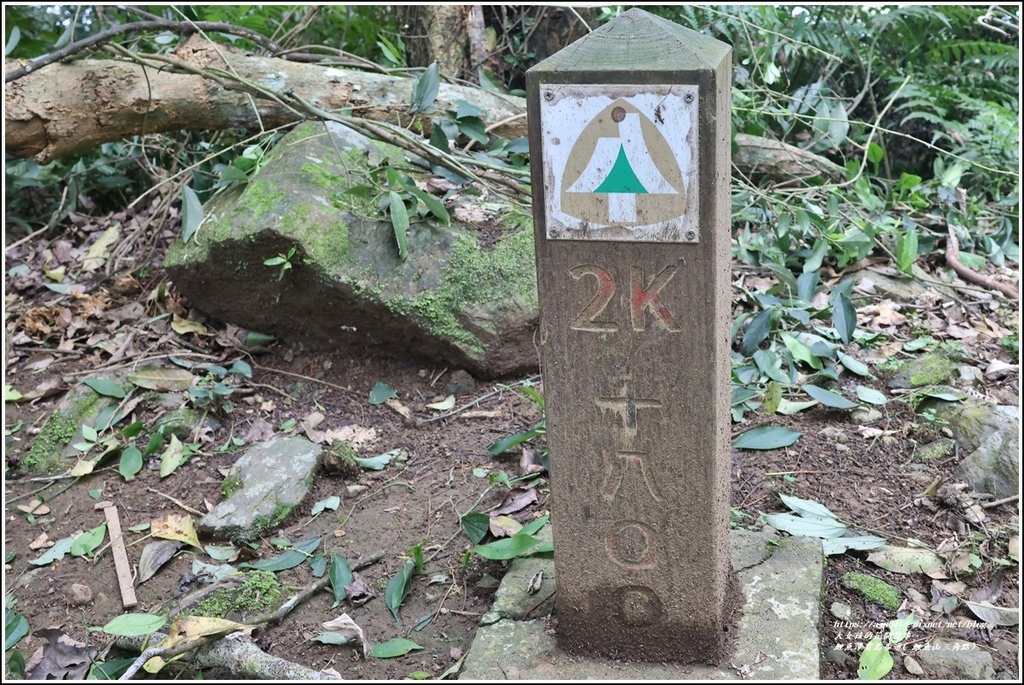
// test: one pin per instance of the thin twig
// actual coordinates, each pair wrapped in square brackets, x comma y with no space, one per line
[305,378]
[176,501]
[478,400]
[998,502]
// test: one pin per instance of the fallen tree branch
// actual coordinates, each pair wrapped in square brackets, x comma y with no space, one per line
[970,275]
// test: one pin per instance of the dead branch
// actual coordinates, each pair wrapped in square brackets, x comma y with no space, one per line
[970,275]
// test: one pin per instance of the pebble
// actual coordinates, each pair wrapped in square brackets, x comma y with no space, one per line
[865,415]
[79,595]
[355,489]
[842,448]
[834,433]
[914,668]
[841,611]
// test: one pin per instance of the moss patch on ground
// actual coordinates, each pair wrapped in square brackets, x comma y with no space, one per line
[48,449]
[877,591]
[260,592]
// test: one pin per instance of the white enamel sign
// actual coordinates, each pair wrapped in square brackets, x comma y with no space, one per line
[620,162]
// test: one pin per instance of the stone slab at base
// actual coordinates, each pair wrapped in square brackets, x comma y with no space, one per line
[782,582]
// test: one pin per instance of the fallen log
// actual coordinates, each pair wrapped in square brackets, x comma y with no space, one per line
[68,108]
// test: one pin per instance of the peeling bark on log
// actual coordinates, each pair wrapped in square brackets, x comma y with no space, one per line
[237,654]
[68,108]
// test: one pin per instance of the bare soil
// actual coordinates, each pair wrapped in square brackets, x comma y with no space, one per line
[869,478]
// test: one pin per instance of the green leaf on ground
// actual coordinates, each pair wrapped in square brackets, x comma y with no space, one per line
[507,548]
[300,552]
[396,646]
[130,625]
[10,394]
[399,588]
[834,546]
[875,661]
[475,525]
[871,396]
[829,398]
[340,576]
[131,462]
[900,628]
[15,627]
[331,503]
[815,527]
[379,462]
[86,543]
[105,387]
[844,317]
[172,457]
[767,438]
[59,550]
[381,393]
[162,379]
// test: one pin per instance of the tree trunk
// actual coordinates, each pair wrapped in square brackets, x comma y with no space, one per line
[67,109]
[436,33]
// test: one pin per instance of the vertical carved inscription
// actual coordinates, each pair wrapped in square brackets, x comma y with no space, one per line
[628,464]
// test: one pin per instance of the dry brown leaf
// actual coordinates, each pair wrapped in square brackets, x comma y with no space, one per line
[41,542]
[514,500]
[399,408]
[34,507]
[353,434]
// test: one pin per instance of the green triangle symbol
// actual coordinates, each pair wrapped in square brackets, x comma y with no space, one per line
[622,178]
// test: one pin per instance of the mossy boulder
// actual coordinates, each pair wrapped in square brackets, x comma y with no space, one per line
[51,452]
[465,295]
[989,435]
[928,369]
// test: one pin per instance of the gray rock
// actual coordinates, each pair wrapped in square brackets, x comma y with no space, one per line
[51,451]
[79,594]
[262,488]
[939,449]
[865,415]
[513,600]
[990,437]
[465,295]
[841,611]
[956,659]
[834,433]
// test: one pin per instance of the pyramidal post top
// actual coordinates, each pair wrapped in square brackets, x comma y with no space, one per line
[637,40]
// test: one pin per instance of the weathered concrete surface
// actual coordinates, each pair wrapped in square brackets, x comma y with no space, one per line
[781,579]
[465,294]
[262,488]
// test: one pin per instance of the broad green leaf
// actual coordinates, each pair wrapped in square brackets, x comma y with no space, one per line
[318,565]
[191,213]
[400,223]
[788,407]
[380,461]
[870,395]
[767,438]
[131,462]
[507,548]
[906,250]
[771,365]
[381,393]
[55,553]
[900,628]
[15,627]
[757,331]
[109,670]
[333,638]
[829,398]
[172,457]
[87,542]
[839,125]
[853,365]
[435,206]
[105,387]
[241,367]
[331,503]
[813,527]
[129,625]
[534,526]
[875,154]
[906,559]
[475,525]
[940,395]
[162,379]
[875,661]
[399,588]
[396,646]
[844,317]
[221,552]
[10,394]
[807,283]
[806,507]
[12,42]
[835,546]
[800,351]
[424,91]
[300,552]
[340,576]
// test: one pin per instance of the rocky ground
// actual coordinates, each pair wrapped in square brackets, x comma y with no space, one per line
[128,341]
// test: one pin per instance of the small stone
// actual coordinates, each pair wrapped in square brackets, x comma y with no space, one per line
[842,448]
[487,582]
[841,611]
[460,383]
[914,668]
[836,656]
[969,375]
[999,369]
[834,433]
[79,595]
[865,415]
[355,489]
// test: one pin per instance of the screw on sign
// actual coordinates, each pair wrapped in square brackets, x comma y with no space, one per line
[631,208]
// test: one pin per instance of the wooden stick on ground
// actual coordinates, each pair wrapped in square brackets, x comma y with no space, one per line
[121,565]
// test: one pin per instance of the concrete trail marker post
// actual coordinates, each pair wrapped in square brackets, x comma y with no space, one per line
[630,132]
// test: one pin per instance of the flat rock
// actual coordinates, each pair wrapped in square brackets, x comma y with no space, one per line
[781,579]
[928,369]
[946,658]
[271,479]
[464,295]
[989,435]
